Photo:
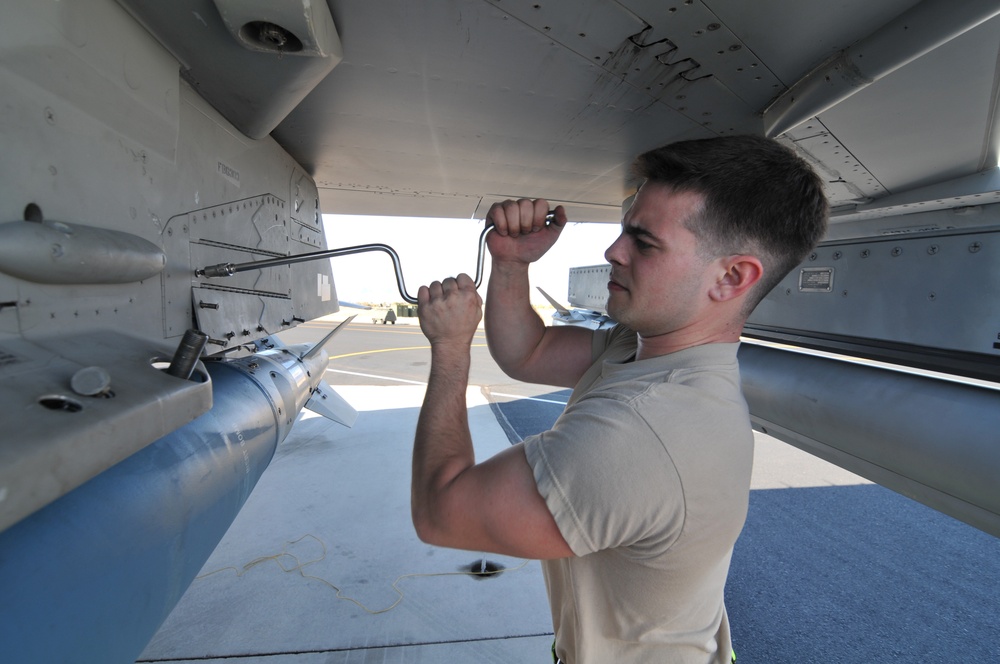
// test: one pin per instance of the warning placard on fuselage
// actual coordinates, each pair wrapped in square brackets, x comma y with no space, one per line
[816,280]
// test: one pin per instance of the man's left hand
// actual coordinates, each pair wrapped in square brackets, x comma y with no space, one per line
[450,310]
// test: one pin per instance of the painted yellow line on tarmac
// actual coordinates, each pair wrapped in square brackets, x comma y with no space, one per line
[384,330]
[390,350]
[390,330]
[479,333]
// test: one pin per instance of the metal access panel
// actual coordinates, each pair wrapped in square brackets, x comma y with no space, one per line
[926,299]
[256,303]
[269,209]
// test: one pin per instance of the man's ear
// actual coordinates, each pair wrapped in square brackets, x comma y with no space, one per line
[737,275]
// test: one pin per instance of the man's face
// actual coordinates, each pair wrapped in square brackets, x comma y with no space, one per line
[659,280]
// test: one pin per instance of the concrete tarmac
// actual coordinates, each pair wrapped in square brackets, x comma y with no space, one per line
[322,565]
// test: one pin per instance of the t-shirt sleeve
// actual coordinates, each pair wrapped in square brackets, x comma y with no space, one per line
[606,477]
[604,337]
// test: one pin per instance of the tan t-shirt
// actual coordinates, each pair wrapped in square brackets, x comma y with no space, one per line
[647,474]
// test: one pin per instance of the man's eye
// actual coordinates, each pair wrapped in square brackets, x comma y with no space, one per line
[641,244]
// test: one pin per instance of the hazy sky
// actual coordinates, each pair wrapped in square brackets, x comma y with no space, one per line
[432,249]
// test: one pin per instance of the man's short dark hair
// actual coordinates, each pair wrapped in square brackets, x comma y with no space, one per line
[760,198]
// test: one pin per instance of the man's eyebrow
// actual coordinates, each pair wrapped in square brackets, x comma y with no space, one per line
[635,230]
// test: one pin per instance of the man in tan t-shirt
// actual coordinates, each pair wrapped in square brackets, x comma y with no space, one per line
[636,496]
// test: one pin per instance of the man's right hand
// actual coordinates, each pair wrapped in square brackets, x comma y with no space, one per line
[521,234]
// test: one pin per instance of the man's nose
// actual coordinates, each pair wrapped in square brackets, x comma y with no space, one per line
[614,253]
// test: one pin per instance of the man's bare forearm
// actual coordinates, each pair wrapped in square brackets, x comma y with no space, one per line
[520,342]
[442,447]
[513,329]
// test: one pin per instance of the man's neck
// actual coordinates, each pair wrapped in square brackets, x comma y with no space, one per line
[664,344]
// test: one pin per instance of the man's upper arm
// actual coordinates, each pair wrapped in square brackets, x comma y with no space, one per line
[495,506]
[562,356]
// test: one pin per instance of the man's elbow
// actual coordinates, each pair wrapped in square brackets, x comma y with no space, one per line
[444,524]
[426,532]
[429,529]
[522,367]
[511,366]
